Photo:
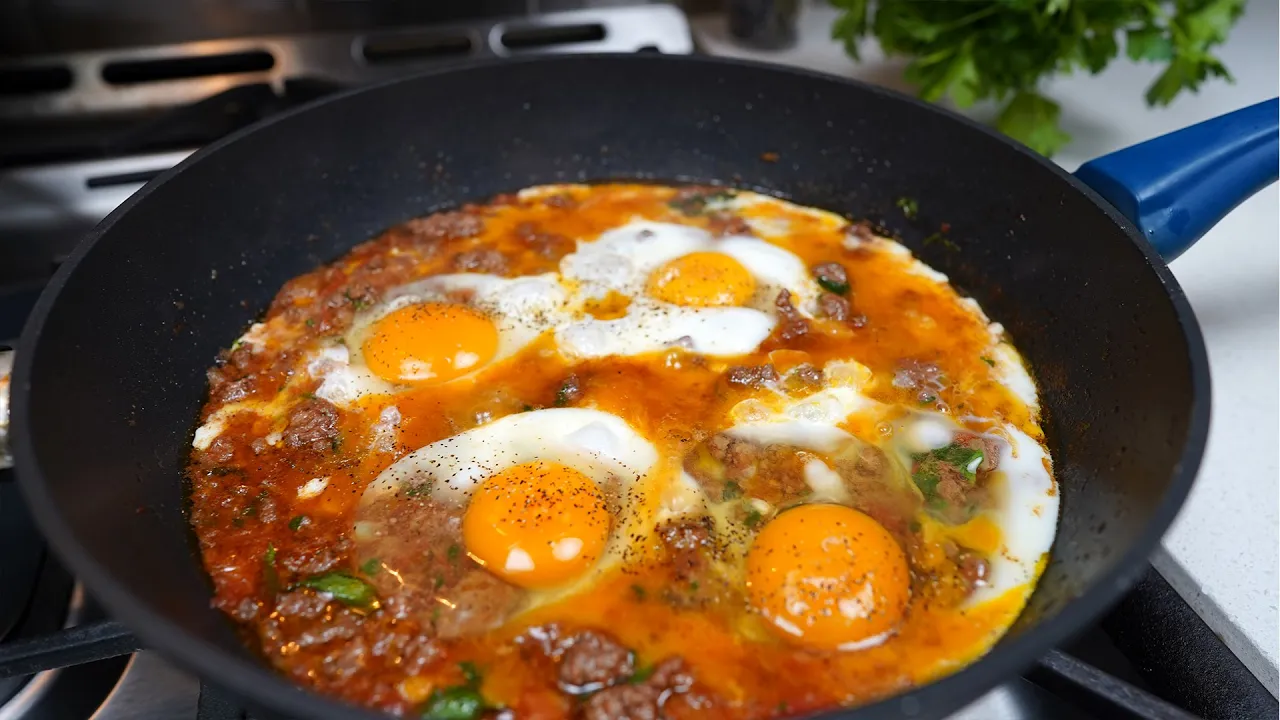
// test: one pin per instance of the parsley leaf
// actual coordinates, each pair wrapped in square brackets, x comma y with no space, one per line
[1004,50]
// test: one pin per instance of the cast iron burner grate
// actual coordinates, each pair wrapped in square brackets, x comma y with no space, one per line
[1151,658]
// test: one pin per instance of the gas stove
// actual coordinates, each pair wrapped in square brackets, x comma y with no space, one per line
[90,117]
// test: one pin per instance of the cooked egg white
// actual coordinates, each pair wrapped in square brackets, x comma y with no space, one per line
[521,478]
[711,296]
[518,310]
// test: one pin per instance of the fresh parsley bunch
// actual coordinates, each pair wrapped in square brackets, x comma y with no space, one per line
[1002,49]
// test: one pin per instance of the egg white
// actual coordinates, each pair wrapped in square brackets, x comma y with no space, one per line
[521,309]
[621,261]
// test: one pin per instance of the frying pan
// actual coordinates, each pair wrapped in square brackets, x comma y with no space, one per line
[110,369]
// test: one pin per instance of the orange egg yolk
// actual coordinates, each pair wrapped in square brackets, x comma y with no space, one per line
[429,343]
[702,279]
[828,577]
[537,525]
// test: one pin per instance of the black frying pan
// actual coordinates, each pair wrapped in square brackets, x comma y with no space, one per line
[110,371]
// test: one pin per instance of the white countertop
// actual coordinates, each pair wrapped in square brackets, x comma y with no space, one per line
[1222,552]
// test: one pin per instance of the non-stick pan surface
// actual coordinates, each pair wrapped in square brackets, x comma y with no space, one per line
[110,371]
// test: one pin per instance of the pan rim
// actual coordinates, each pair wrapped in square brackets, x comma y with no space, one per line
[262,686]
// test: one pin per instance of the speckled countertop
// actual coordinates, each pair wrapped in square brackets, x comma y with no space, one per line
[1222,553]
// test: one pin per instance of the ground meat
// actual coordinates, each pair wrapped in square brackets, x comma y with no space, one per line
[862,231]
[549,245]
[484,260]
[426,575]
[625,702]
[479,602]
[593,661]
[831,274]
[807,374]
[221,450]
[570,391]
[315,555]
[642,701]
[688,543]
[834,307]
[445,226]
[724,224]
[989,447]
[753,376]
[313,425]
[791,324]
[739,457]
[876,491]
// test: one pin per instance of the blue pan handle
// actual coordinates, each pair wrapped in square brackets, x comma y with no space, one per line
[1177,186]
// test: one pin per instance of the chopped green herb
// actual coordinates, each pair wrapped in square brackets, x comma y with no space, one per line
[988,361]
[753,518]
[311,322]
[642,673]
[416,489]
[732,490]
[927,398]
[696,203]
[962,457]
[270,575]
[336,443]
[359,303]
[639,592]
[298,521]
[307,396]
[439,581]
[832,286]
[455,703]
[909,207]
[471,673]
[941,239]
[237,522]
[454,552]
[345,588]
[526,408]
[372,566]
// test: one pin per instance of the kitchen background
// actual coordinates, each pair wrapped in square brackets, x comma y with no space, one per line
[96,98]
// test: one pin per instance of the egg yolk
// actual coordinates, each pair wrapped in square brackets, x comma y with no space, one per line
[702,279]
[429,343]
[537,525]
[828,577]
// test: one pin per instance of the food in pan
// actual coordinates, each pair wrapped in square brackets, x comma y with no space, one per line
[621,450]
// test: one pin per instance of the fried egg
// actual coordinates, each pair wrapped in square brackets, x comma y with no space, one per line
[438,330]
[535,487]
[684,287]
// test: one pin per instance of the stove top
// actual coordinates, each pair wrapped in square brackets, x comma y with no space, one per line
[86,118]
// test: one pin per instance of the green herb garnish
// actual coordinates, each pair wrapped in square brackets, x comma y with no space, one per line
[642,673]
[455,703]
[297,521]
[753,518]
[270,575]
[732,490]
[696,203]
[639,592]
[909,207]
[454,551]
[345,588]
[372,566]
[1005,49]
[471,673]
